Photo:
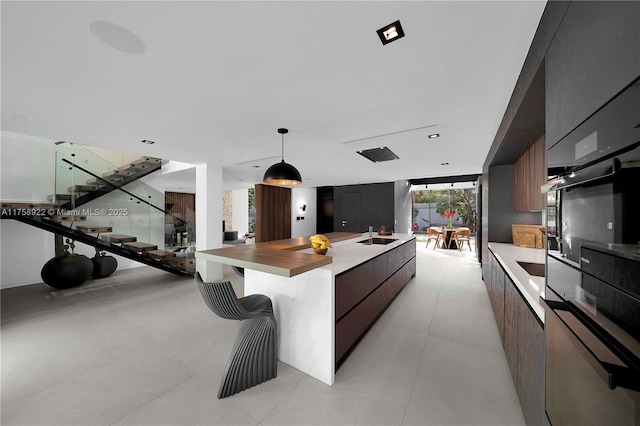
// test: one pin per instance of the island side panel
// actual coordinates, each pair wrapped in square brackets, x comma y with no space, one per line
[304,310]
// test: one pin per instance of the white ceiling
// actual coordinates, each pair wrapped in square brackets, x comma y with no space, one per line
[216,79]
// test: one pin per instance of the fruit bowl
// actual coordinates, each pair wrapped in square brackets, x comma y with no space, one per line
[321,250]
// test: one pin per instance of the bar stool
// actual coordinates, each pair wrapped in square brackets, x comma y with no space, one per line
[254,356]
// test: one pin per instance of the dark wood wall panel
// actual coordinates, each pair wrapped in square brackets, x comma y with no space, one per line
[529,174]
[273,213]
[184,206]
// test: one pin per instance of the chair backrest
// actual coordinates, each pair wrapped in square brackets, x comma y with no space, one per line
[221,299]
[431,231]
[464,233]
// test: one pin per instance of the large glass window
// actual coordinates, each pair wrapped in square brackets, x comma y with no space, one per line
[430,205]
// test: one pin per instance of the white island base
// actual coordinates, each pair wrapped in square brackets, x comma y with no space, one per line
[304,310]
[305,304]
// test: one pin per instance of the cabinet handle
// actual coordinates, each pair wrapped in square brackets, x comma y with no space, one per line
[584,260]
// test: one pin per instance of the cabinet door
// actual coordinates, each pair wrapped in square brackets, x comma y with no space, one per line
[510,341]
[521,179]
[600,265]
[592,57]
[530,371]
[498,298]
[351,327]
[626,277]
[529,174]
[352,287]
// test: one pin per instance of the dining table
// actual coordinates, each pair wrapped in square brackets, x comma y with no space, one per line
[448,234]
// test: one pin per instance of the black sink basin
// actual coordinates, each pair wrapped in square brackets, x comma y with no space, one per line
[536,269]
[382,241]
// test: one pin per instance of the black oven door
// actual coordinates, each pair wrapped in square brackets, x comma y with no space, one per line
[589,381]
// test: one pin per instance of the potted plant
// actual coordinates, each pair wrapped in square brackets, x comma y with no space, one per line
[67,269]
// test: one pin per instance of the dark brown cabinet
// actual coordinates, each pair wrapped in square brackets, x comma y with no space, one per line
[529,174]
[530,368]
[592,57]
[364,292]
[512,302]
[522,337]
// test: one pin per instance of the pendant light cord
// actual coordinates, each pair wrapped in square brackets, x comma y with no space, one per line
[282,147]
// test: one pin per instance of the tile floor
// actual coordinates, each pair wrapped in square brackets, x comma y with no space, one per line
[141,348]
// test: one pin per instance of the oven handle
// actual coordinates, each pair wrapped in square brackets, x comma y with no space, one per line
[613,375]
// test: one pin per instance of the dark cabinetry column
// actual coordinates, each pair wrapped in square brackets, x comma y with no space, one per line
[593,56]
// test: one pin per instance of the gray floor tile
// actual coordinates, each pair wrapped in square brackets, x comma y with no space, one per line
[461,385]
[104,395]
[141,347]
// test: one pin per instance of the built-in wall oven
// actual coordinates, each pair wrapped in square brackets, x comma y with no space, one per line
[592,299]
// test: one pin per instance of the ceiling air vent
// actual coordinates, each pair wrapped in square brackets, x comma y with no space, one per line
[379,154]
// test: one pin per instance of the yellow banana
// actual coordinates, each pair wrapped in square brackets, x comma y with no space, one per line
[320,241]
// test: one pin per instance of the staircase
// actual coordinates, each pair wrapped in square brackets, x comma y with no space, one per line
[97,186]
[64,215]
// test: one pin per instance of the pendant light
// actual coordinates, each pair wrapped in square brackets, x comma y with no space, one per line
[282,173]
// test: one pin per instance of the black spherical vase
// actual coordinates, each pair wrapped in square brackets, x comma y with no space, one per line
[69,270]
[103,266]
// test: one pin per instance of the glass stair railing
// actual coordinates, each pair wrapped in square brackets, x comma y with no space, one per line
[109,207]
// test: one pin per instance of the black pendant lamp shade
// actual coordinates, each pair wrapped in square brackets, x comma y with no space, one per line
[282,173]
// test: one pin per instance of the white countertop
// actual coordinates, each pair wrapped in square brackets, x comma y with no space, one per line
[349,253]
[530,286]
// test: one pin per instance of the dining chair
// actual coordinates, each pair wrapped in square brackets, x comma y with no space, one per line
[435,235]
[460,236]
[254,356]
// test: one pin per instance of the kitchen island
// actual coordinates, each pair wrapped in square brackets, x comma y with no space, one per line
[323,304]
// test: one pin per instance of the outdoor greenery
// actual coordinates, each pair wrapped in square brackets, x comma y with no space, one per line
[463,201]
[252,210]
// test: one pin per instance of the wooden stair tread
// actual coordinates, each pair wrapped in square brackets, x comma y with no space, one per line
[94,229]
[97,182]
[23,205]
[119,238]
[160,254]
[133,168]
[117,174]
[66,197]
[69,218]
[83,188]
[148,160]
[139,246]
[177,260]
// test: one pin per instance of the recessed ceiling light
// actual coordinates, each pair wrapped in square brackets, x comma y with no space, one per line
[433,135]
[117,37]
[147,141]
[444,164]
[390,32]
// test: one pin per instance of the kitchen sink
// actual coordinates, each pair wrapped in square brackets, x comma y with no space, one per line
[536,269]
[374,240]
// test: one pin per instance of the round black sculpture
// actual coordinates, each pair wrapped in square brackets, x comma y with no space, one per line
[66,271]
[103,265]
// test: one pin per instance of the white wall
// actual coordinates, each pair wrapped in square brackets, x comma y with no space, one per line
[28,168]
[402,207]
[299,197]
[240,211]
